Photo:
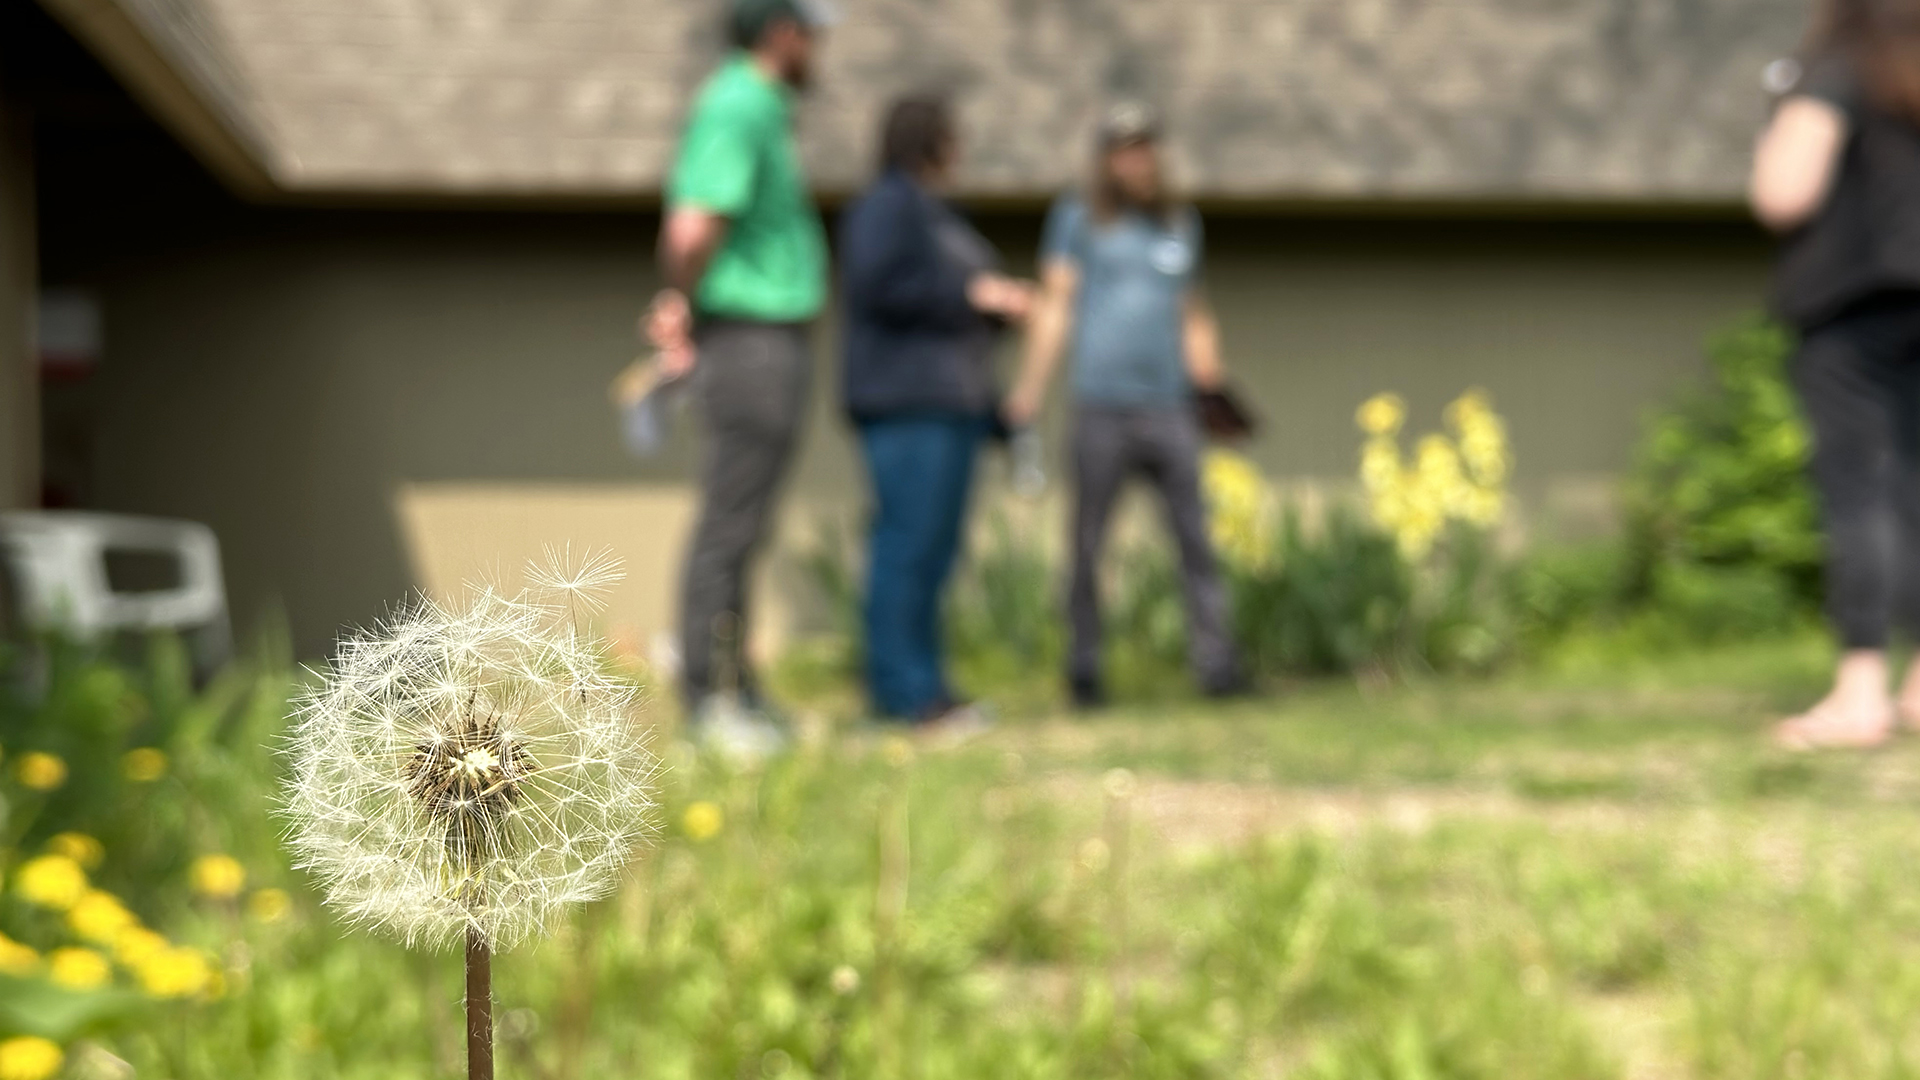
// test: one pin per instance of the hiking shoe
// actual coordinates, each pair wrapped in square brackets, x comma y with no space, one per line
[741,735]
[1087,692]
[955,726]
[1226,687]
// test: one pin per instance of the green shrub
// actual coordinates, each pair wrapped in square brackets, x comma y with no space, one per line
[1719,499]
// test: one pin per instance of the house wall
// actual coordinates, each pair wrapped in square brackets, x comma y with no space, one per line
[323,386]
[19,397]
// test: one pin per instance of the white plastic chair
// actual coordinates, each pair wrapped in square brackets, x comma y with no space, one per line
[59,563]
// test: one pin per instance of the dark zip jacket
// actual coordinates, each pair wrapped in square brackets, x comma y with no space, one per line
[914,345]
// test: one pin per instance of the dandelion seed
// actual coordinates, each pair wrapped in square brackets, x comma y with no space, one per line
[581,580]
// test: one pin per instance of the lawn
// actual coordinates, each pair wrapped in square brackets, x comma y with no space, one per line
[1595,869]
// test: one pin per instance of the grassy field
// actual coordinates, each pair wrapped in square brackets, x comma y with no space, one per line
[1596,870]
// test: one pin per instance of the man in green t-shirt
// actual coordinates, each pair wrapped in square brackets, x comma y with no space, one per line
[745,259]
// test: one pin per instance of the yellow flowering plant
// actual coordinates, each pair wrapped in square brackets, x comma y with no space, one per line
[1458,477]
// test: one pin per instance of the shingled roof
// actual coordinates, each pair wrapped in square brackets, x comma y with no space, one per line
[1635,101]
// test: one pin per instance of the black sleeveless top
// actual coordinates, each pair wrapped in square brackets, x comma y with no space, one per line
[1866,239]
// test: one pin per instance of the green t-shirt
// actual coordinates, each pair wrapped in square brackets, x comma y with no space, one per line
[739,160]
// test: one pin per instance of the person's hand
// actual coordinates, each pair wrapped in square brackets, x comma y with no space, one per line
[631,386]
[1021,407]
[668,326]
[1001,296]
[1208,378]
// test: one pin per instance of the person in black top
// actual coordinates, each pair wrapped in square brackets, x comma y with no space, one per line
[925,305]
[1837,175]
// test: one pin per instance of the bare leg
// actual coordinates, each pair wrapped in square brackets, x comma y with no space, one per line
[1857,714]
[1909,706]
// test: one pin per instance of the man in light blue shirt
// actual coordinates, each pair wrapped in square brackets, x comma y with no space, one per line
[1120,273]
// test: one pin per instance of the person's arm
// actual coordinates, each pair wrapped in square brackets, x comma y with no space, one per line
[1200,330]
[688,240]
[1796,161]
[1047,329]
[712,184]
[891,264]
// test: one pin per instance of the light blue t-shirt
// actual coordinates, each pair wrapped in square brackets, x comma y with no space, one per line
[1129,345]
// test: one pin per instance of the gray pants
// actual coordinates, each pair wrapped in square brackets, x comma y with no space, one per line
[752,386]
[1161,445]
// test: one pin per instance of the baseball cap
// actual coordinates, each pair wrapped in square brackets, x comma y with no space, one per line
[750,18]
[1128,123]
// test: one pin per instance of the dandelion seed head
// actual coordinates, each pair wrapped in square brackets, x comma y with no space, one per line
[469,766]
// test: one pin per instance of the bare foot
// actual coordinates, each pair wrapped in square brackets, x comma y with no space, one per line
[1831,726]
[1857,715]
[1909,703]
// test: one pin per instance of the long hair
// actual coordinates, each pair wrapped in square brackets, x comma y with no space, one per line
[1881,39]
[1107,200]
[918,134]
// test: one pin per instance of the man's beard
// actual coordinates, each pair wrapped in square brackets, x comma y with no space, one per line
[799,76]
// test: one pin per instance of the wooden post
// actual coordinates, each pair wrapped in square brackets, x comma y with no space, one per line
[479,1007]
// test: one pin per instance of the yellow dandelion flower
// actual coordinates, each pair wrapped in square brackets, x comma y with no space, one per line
[897,751]
[78,969]
[1382,414]
[175,972]
[136,945]
[143,766]
[220,877]
[41,771]
[269,905]
[703,821]
[79,847]
[51,881]
[17,959]
[100,917]
[30,1057]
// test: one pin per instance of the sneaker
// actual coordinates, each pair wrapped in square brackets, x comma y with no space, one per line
[736,732]
[1226,687]
[954,726]
[1087,692]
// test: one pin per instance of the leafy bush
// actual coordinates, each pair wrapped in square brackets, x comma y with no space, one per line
[1722,530]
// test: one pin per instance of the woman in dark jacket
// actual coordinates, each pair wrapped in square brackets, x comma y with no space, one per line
[1837,174]
[925,303]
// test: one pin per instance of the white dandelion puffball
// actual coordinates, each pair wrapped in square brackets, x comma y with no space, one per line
[471,767]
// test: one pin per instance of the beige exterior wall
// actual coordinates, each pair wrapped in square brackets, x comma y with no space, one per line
[19,383]
[360,402]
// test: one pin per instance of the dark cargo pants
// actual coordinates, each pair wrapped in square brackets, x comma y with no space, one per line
[1161,445]
[752,384]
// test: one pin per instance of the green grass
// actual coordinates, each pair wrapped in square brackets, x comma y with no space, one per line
[1597,869]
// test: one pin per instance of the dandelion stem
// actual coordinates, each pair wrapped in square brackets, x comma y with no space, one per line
[479,1007]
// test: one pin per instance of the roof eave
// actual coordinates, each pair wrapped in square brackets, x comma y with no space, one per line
[120,44]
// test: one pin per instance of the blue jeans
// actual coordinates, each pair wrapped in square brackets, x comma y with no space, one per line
[922,469]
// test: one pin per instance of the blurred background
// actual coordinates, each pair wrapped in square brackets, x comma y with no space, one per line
[344,282]
[1522,562]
